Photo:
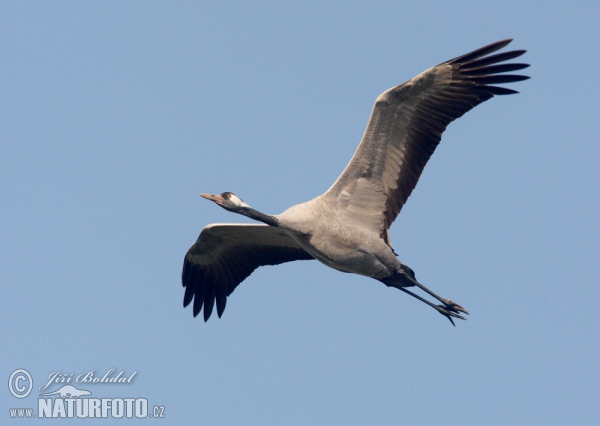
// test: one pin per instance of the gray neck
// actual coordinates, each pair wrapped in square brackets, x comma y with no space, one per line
[256,215]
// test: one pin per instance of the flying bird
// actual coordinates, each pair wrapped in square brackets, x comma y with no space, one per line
[347,227]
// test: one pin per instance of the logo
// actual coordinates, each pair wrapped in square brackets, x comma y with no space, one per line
[71,401]
[68,391]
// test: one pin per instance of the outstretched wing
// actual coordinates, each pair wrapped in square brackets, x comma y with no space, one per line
[406,126]
[225,254]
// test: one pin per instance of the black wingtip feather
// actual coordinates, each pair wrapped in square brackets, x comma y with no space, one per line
[209,301]
[224,277]
[500,90]
[221,303]
[221,299]
[198,302]
[197,282]
[498,79]
[486,50]
[185,272]
[188,296]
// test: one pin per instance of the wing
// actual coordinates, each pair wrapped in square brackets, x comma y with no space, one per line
[406,126]
[225,255]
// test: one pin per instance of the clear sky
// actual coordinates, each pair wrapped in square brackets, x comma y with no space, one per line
[114,116]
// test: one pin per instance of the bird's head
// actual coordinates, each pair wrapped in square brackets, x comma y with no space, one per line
[227,200]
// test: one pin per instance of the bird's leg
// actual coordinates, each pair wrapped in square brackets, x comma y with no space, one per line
[449,309]
[446,311]
[448,304]
[453,306]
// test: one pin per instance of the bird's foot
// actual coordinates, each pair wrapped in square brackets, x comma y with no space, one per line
[451,309]
[453,306]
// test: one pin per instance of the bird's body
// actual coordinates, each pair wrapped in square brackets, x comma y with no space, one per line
[353,249]
[347,227]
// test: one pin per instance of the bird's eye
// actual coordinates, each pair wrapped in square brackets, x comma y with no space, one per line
[226,195]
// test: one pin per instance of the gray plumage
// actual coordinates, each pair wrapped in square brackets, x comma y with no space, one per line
[347,227]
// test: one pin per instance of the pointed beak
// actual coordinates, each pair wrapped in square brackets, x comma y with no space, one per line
[216,197]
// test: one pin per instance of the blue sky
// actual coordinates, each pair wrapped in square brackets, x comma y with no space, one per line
[114,116]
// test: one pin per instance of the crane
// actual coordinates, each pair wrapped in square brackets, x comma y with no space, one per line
[347,227]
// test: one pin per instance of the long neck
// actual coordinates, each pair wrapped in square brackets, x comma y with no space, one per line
[256,215]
